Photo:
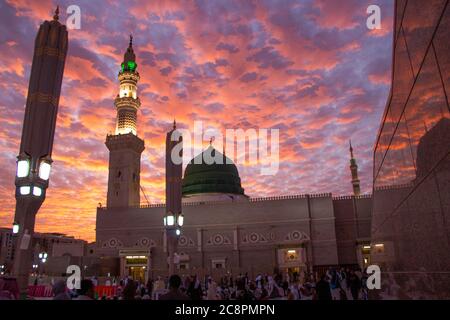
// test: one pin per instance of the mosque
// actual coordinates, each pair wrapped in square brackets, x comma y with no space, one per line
[225,231]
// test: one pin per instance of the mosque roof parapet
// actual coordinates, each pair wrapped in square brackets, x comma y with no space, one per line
[362,196]
[259,199]
[394,187]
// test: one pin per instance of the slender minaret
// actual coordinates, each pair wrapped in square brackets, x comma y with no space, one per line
[354,171]
[174,171]
[125,147]
[35,155]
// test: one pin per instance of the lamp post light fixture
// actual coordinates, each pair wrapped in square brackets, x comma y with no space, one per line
[23,166]
[15,228]
[173,223]
[44,168]
[43,256]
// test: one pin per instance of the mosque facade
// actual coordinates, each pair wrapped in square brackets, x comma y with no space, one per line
[225,231]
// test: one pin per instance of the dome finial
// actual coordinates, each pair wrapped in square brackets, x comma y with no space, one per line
[211,141]
[174,124]
[56,16]
[131,40]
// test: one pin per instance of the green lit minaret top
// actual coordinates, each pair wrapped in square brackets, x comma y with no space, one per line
[129,59]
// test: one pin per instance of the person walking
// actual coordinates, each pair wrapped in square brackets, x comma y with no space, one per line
[355,285]
[211,293]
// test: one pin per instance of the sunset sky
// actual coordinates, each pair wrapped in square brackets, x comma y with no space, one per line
[311,69]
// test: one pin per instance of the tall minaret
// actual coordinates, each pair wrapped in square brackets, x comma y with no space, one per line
[174,171]
[125,148]
[354,171]
[174,219]
[35,156]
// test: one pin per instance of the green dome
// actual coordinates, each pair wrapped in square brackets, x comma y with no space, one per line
[200,177]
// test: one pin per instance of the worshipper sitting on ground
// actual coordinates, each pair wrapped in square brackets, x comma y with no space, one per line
[59,291]
[174,290]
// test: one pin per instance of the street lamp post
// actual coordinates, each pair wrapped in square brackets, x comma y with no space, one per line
[43,259]
[34,159]
[172,224]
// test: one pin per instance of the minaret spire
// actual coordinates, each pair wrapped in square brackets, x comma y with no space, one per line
[131,41]
[354,172]
[56,16]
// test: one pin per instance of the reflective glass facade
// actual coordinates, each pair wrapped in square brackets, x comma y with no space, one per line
[411,209]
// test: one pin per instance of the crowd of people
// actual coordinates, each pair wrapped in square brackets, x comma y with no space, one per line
[332,284]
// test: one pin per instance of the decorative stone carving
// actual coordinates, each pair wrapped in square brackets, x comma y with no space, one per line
[296,236]
[255,237]
[146,242]
[218,240]
[184,241]
[113,243]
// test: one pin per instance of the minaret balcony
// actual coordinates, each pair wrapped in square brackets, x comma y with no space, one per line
[127,102]
[129,76]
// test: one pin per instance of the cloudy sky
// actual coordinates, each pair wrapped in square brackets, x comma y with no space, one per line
[311,69]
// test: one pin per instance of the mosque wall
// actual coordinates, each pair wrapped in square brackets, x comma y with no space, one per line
[236,236]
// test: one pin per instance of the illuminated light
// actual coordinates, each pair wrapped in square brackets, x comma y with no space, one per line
[44,170]
[379,245]
[131,65]
[23,168]
[178,232]
[165,221]
[44,260]
[135,257]
[40,255]
[15,228]
[366,260]
[45,255]
[37,191]
[126,130]
[292,251]
[366,247]
[170,220]
[180,220]
[24,190]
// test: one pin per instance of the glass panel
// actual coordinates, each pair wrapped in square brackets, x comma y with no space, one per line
[419,24]
[426,107]
[442,45]
[403,80]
